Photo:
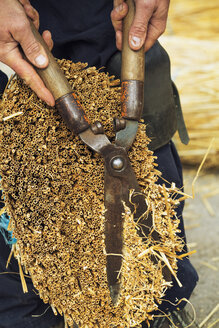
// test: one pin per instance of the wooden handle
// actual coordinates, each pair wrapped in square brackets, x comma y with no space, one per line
[66,101]
[133,62]
[52,75]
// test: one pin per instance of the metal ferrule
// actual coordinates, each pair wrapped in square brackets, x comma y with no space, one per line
[72,112]
[132,99]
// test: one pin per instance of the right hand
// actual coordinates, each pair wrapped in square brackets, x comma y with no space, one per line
[14,31]
[148,24]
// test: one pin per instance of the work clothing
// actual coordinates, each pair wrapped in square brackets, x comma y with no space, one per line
[82,31]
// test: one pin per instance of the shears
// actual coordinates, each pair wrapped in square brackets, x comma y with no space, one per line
[119,177]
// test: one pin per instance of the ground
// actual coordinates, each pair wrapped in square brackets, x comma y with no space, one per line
[201,217]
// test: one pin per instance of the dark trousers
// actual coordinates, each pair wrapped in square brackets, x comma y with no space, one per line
[19,310]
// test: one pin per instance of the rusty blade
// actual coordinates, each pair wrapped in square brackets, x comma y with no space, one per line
[113,233]
[119,180]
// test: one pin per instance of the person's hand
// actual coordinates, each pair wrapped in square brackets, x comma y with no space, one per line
[15,31]
[148,24]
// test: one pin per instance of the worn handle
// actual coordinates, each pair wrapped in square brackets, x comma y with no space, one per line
[52,75]
[132,72]
[133,62]
[66,101]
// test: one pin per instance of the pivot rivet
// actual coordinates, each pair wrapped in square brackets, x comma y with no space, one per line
[117,163]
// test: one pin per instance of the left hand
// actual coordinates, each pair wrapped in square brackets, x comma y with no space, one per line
[148,24]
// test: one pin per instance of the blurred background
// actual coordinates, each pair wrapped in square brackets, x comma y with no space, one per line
[192,41]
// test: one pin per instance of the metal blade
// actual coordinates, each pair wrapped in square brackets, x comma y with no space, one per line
[125,137]
[95,141]
[119,180]
[113,232]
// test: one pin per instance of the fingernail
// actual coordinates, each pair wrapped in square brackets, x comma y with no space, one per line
[135,41]
[119,8]
[40,60]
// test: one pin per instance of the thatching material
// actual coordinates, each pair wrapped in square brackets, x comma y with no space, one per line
[193,18]
[195,67]
[53,187]
[192,40]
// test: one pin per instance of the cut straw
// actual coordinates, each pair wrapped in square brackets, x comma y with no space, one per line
[215,309]
[11,116]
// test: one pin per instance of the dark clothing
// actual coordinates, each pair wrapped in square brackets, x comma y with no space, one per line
[18,310]
[82,31]
[3,82]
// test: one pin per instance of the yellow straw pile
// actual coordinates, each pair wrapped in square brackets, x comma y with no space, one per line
[193,18]
[192,43]
[54,193]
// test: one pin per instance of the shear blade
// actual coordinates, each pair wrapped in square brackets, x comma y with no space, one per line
[118,184]
[113,233]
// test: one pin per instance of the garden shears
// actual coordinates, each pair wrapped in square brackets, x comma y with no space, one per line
[119,177]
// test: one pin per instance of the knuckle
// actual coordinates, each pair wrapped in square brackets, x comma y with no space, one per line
[139,28]
[36,13]
[115,16]
[163,28]
[32,48]
[3,57]
[21,26]
[160,29]
[147,4]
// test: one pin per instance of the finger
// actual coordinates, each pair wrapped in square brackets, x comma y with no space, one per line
[32,49]
[119,40]
[155,29]
[28,74]
[138,30]
[117,3]
[24,2]
[30,12]
[33,14]
[48,39]
[117,15]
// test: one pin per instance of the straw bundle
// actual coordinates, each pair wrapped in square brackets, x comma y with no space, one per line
[192,42]
[193,18]
[195,67]
[54,191]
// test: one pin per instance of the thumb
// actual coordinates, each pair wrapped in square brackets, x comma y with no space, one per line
[32,49]
[138,30]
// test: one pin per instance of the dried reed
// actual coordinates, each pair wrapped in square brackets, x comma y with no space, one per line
[192,18]
[54,191]
[191,40]
[195,67]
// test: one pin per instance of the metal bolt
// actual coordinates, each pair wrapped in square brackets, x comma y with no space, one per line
[117,163]
[119,124]
[97,128]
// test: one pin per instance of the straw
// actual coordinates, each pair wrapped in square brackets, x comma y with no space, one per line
[215,309]
[191,40]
